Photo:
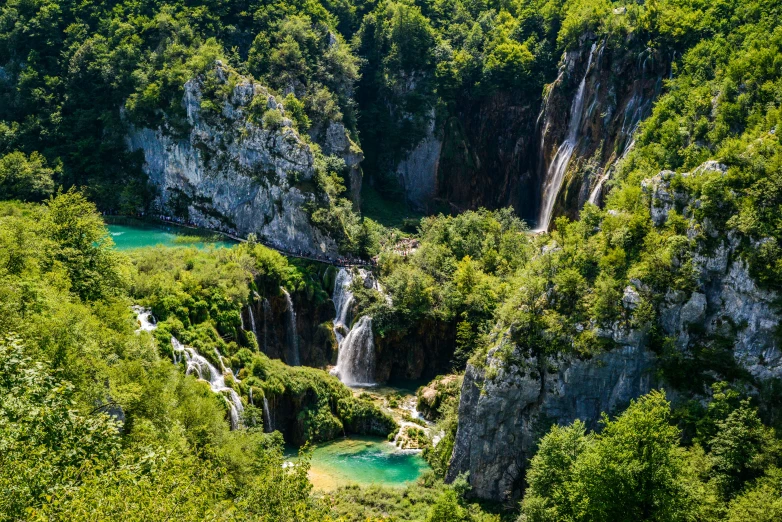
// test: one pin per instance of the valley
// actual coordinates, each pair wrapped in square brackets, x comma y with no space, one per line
[391,260]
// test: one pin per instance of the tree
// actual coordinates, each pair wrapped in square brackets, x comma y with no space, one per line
[83,246]
[740,449]
[551,472]
[46,443]
[447,508]
[635,469]
[25,177]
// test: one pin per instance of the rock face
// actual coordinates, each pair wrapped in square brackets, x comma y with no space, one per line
[230,173]
[511,400]
[504,410]
[417,173]
[495,151]
[267,318]
[727,303]
[336,141]
[422,352]
[620,88]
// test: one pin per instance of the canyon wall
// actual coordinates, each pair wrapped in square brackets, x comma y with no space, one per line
[497,150]
[509,401]
[227,171]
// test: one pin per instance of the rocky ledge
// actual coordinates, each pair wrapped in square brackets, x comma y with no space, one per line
[512,398]
[230,171]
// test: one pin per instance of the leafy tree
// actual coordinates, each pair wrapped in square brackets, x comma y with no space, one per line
[83,246]
[741,449]
[25,178]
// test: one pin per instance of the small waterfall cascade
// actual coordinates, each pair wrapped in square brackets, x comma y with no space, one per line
[268,427]
[293,337]
[556,171]
[356,358]
[343,299]
[146,320]
[251,310]
[196,363]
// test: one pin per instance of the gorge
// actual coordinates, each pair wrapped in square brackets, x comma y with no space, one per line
[424,261]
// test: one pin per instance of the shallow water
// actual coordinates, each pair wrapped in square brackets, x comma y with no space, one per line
[127,237]
[363,461]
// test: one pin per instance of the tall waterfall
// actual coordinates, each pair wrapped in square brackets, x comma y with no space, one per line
[558,167]
[268,427]
[356,358]
[293,337]
[251,313]
[196,363]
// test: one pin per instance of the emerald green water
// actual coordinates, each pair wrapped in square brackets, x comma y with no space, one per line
[127,237]
[363,461]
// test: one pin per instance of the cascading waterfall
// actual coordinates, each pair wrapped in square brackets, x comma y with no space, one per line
[293,337]
[356,358]
[268,427]
[556,171]
[146,320]
[356,355]
[194,362]
[343,299]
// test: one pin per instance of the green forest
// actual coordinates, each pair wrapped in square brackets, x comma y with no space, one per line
[677,268]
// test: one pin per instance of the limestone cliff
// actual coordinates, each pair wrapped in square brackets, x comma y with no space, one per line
[229,171]
[621,83]
[496,150]
[512,397]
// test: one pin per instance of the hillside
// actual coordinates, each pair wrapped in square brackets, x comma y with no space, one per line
[535,248]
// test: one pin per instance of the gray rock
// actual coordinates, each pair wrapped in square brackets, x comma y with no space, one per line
[631,298]
[417,173]
[502,417]
[504,410]
[233,174]
[337,142]
[694,310]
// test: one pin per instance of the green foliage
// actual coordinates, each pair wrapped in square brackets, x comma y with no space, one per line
[635,468]
[25,178]
[46,443]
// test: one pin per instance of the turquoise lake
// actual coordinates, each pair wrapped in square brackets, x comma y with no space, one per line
[363,461]
[128,236]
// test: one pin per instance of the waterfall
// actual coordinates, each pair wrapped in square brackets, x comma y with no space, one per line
[356,358]
[196,363]
[343,299]
[268,427]
[267,317]
[251,313]
[556,171]
[293,338]
[146,320]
